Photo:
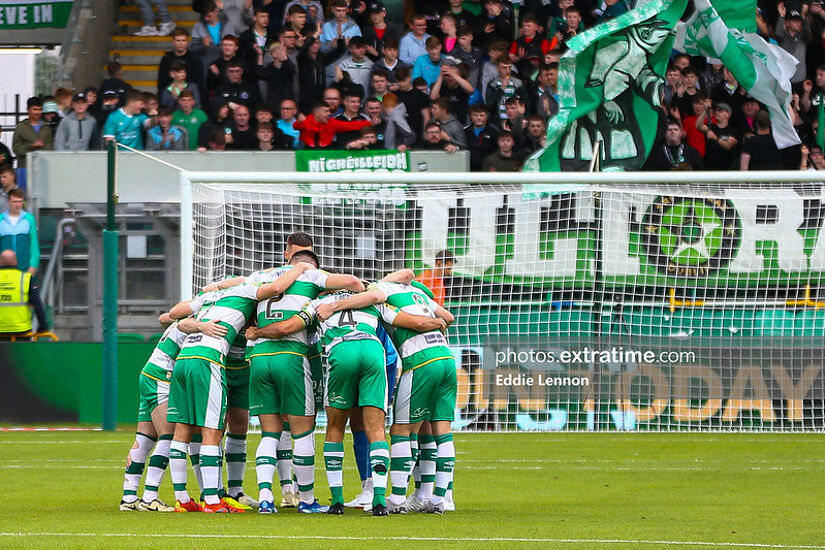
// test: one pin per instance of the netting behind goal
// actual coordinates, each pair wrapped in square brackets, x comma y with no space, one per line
[586,307]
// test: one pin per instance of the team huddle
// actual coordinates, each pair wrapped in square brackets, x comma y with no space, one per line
[279,344]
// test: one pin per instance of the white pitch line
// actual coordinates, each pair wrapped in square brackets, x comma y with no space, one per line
[430,539]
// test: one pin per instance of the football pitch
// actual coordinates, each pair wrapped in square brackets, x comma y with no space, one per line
[512,490]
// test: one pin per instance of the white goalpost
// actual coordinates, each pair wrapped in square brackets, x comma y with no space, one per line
[583,301]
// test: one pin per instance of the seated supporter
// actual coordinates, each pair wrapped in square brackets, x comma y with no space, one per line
[241,136]
[428,66]
[221,122]
[235,91]
[169,95]
[505,158]
[189,118]
[165,136]
[481,136]
[318,130]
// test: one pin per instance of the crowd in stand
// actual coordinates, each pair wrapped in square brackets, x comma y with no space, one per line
[463,75]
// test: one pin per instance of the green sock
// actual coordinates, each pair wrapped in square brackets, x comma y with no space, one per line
[380,465]
[334,463]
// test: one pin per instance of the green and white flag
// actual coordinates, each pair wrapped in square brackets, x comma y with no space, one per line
[763,69]
[609,84]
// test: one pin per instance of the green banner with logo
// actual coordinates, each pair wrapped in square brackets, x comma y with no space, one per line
[352,161]
[34,14]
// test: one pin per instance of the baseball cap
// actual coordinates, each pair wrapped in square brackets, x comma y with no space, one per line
[109,94]
[451,61]
[723,107]
[793,14]
[376,7]
[79,96]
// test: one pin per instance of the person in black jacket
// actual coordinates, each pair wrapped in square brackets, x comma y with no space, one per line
[279,76]
[180,52]
[255,40]
[235,91]
[496,22]
[312,64]
[378,30]
[481,137]
[115,83]
[673,153]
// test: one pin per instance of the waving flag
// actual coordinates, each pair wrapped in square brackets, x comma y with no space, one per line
[763,69]
[609,84]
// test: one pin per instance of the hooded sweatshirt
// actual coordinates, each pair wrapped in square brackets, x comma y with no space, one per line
[74,134]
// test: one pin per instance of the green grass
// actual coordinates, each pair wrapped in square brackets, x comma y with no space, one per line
[576,491]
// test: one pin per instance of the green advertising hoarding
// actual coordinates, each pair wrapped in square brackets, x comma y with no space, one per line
[34,14]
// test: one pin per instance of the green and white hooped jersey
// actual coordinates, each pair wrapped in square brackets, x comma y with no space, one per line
[413,301]
[281,307]
[346,325]
[162,361]
[237,351]
[232,307]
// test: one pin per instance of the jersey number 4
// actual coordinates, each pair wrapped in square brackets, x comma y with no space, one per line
[346,319]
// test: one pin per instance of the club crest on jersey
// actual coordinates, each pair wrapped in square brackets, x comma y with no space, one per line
[690,236]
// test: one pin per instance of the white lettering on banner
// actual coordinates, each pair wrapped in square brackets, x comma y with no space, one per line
[790,244]
[619,211]
[43,14]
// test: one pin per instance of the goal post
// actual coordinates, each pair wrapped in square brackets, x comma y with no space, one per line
[583,301]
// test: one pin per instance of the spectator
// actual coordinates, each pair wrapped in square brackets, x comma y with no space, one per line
[241,135]
[340,27]
[793,34]
[332,97]
[215,142]
[219,123]
[693,136]
[759,152]
[115,82]
[296,22]
[389,63]
[235,91]
[108,105]
[611,9]
[51,116]
[469,55]
[276,10]
[398,134]
[165,136]
[750,108]
[722,137]
[180,52]
[529,45]
[536,134]
[169,95]
[449,32]
[416,102]
[318,129]
[374,110]
[312,68]
[501,89]
[414,43]
[812,159]
[189,118]
[434,139]
[463,18]
[813,94]
[495,22]
[8,181]
[730,92]
[378,31]
[686,92]
[217,70]
[126,125]
[15,287]
[271,139]
[208,33]
[289,111]
[458,91]
[451,129]
[496,52]
[516,122]
[253,42]
[238,14]
[63,98]
[30,134]
[6,158]
[505,159]
[352,111]
[18,233]
[313,10]
[573,18]
[441,273]
[557,25]
[428,66]
[481,137]
[148,16]
[543,94]
[673,154]
[358,66]
[379,84]
[280,76]
[78,131]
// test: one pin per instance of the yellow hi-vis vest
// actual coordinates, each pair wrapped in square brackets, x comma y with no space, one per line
[15,315]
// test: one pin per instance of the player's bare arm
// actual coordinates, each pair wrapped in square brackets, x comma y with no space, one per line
[419,323]
[344,282]
[180,310]
[364,299]
[277,330]
[211,328]
[403,276]
[282,283]
[442,313]
[222,285]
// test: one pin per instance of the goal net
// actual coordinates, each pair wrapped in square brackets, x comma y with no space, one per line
[592,306]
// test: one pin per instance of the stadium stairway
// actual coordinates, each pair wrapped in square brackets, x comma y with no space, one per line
[140,55]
